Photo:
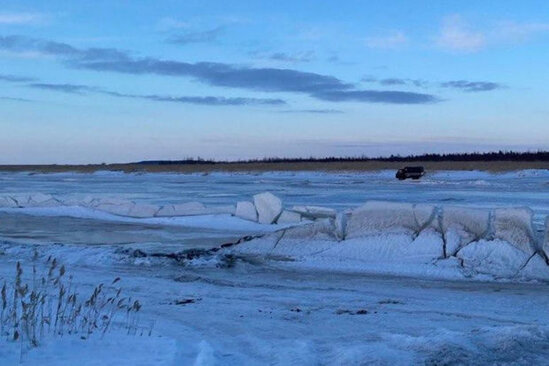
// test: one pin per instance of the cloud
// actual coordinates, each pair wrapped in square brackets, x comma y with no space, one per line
[168,23]
[15,78]
[377,96]
[472,86]
[209,100]
[208,36]
[389,41]
[396,81]
[200,100]
[314,111]
[456,35]
[15,99]
[21,18]
[306,56]
[463,85]
[64,88]
[519,32]
[319,86]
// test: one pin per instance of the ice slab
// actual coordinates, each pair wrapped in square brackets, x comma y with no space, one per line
[289,217]
[377,217]
[514,225]
[246,210]
[268,207]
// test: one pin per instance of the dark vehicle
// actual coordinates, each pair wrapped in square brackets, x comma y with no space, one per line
[414,172]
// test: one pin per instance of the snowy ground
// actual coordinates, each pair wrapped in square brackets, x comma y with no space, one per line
[211,311]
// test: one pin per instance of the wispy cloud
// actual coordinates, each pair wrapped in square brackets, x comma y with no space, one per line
[457,35]
[319,86]
[200,100]
[287,57]
[472,86]
[519,32]
[15,99]
[15,78]
[22,18]
[377,96]
[389,41]
[64,88]
[313,111]
[208,36]
[463,85]
[168,23]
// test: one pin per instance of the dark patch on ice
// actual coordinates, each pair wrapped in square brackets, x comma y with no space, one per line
[389,301]
[352,312]
[185,301]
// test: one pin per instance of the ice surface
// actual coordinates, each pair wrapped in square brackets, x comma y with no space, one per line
[246,210]
[268,207]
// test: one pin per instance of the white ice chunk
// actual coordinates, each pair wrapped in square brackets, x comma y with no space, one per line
[536,269]
[462,225]
[43,200]
[115,206]
[182,209]
[376,217]
[495,257]
[514,225]
[317,230]
[472,220]
[260,246]
[246,210]
[289,217]
[341,224]
[305,240]
[315,212]
[7,201]
[426,216]
[268,207]
[218,210]
[21,200]
[142,210]
[546,242]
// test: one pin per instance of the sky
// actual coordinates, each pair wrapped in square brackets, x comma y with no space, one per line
[121,81]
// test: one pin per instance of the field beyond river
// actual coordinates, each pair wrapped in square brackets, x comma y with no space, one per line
[320,166]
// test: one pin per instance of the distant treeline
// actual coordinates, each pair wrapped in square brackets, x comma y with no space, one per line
[475,156]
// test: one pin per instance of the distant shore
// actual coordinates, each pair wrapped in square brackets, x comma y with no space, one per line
[355,166]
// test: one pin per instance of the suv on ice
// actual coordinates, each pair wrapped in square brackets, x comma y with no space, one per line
[414,172]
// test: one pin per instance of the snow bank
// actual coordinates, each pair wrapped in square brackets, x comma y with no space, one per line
[462,226]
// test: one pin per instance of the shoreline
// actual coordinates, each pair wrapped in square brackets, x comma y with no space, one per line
[353,166]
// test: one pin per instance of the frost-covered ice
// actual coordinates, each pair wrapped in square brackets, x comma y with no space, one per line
[450,271]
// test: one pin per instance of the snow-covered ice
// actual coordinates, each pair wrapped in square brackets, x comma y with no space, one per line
[447,270]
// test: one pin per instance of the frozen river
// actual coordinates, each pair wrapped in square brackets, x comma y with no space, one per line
[259,312]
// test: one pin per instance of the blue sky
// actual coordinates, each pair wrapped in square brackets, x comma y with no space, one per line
[117,81]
